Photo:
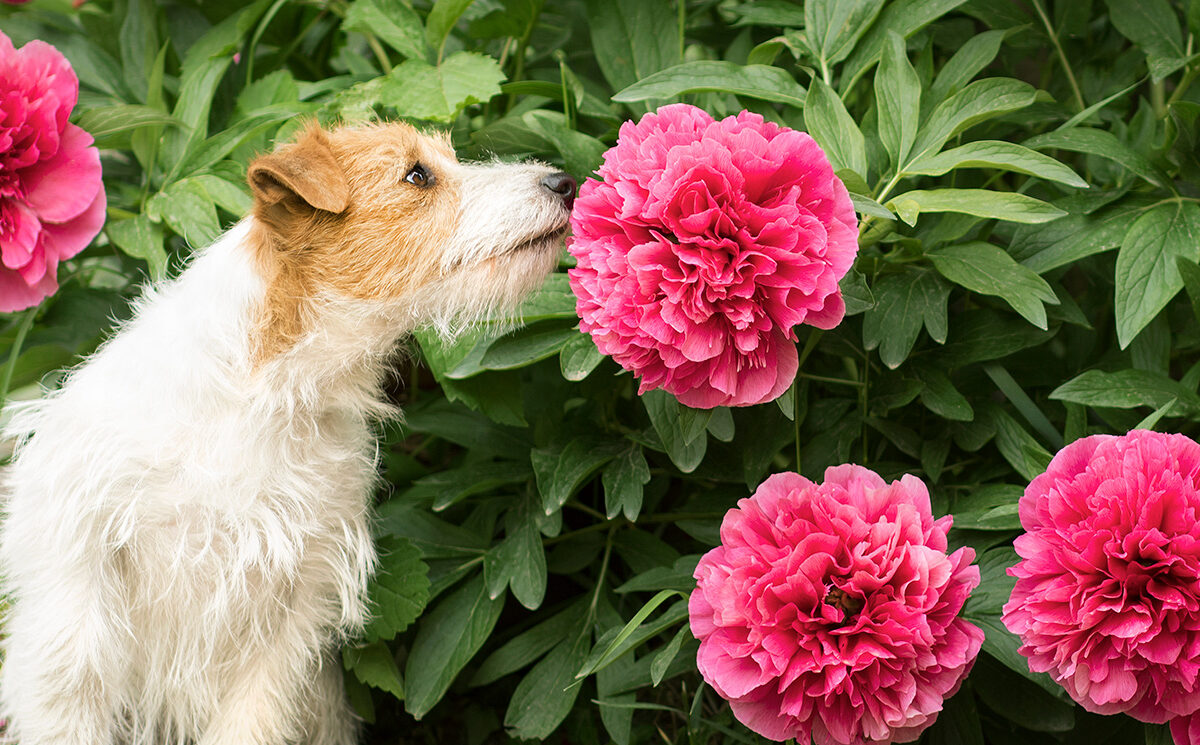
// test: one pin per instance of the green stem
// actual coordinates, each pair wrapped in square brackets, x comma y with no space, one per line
[1062,57]
[380,53]
[682,6]
[1189,76]
[814,336]
[14,353]
[608,546]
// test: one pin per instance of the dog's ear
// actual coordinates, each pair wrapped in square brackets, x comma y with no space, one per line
[302,173]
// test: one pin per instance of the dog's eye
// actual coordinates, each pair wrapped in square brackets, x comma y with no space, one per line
[418,176]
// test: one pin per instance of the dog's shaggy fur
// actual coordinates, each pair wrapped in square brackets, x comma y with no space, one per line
[187,534]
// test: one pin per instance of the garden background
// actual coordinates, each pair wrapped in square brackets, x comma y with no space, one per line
[1026,175]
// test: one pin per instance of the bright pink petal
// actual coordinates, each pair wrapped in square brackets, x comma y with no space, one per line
[62,187]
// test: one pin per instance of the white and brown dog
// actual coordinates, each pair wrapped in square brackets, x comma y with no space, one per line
[187,536]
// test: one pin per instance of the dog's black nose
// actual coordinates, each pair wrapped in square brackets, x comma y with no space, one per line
[562,184]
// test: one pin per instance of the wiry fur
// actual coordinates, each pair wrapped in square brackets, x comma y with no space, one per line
[187,535]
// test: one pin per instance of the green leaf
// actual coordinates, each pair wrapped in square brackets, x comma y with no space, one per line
[525,347]
[581,153]
[998,205]
[835,131]
[104,123]
[624,479]
[227,195]
[683,430]
[905,17]
[560,472]
[903,302]
[544,697]
[202,154]
[1147,274]
[553,299]
[518,562]
[1017,446]
[604,654]
[982,267]
[375,666]
[447,639]
[1100,143]
[1071,238]
[996,585]
[451,486]
[579,357]
[976,103]
[632,39]
[941,397]
[833,27]
[141,239]
[897,100]
[398,591]
[769,13]
[187,207]
[996,154]
[1151,24]
[754,81]
[529,645]
[442,17]
[970,59]
[419,90]
[1125,389]
[393,21]
[665,656]
[1019,701]
[204,65]
[855,293]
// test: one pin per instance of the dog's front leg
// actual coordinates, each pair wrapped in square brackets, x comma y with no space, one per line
[65,662]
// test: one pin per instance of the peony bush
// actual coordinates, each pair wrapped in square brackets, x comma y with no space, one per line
[772,454]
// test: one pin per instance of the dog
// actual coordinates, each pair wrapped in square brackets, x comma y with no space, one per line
[187,536]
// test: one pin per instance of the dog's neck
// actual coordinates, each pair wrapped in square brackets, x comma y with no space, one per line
[337,362]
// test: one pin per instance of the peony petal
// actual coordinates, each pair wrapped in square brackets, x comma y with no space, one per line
[62,187]
[66,240]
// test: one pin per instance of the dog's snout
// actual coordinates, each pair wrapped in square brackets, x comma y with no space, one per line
[562,184]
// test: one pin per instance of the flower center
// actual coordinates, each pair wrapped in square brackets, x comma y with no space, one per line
[849,605]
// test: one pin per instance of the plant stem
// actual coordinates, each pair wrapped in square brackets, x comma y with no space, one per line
[14,352]
[380,53]
[1062,57]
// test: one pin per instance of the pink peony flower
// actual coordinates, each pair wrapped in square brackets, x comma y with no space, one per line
[51,199]
[1107,599]
[831,610]
[701,249]
[1186,730]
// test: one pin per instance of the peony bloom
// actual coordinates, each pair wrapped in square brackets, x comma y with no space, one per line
[51,199]
[1107,599]
[831,610]
[701,249]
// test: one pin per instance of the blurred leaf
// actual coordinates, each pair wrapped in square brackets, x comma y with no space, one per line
[447,638]
[984,268]
[581,153]
[1154,26]
[1125,389]
[754,81]
[393,21]
[141,239]
[419,90]
[834,130]
[105,123]
[904,17]
[375,666]
[1147,273]
[833,27]
[1100,143]
[903,302]
[991,507]
[897,100]
[624,479]
[769,13]
[996,154]
[398,591]
[632,39]
[979,202]
[442,17]
[187,207]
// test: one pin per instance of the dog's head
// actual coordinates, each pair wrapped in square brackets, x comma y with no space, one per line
[385,214]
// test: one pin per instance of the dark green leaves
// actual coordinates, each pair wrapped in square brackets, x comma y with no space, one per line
[399,590]
[1147,273]
[633,39]
[898,98]
[755,81]
[903,303]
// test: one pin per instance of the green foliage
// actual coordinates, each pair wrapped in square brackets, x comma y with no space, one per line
[1026,178]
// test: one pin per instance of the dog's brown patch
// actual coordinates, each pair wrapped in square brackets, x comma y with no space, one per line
[335,214]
